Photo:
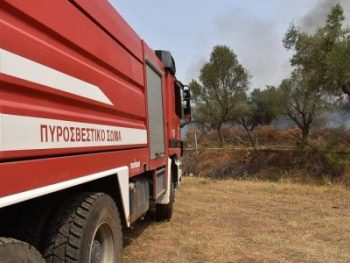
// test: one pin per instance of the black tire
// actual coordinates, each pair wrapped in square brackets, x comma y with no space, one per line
[164,212]
[14,251]
[85,227]
[33,223]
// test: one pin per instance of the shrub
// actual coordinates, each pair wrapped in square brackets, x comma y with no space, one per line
[335,163]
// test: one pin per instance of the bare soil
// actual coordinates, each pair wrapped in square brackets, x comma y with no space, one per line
[246,221]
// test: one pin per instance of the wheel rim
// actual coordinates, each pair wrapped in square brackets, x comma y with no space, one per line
[102,245]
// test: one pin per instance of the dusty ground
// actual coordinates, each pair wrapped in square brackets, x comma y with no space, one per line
[237,221]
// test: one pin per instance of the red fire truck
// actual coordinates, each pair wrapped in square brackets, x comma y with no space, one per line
[90,137]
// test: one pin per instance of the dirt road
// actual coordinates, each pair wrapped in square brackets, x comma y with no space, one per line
[233,221]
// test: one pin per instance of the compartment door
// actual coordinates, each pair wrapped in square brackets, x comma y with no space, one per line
[155,113]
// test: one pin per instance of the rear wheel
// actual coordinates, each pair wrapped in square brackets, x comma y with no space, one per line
[14,251]
[86,229]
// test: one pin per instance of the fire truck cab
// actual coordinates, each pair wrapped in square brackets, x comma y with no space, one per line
[90,137]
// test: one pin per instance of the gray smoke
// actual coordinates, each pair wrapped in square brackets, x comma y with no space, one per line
[339,119]
[283,123]
[195,68]
[257,40]
[336,119]
[257,43]
[318,14]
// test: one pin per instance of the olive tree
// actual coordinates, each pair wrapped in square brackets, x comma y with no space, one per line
[323,55]
[301,102]
[223,81]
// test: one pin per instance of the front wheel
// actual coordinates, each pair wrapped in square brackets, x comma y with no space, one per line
[85,229]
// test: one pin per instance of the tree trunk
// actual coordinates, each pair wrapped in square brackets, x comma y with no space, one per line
[221,139]
[252,141]
[305,130]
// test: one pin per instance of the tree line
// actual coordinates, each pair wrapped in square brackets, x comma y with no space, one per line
[320,76]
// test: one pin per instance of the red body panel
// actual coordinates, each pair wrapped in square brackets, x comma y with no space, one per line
[118,28]
[90,42]
[20,176]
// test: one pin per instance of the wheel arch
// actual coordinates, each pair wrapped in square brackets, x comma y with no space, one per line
[114,182]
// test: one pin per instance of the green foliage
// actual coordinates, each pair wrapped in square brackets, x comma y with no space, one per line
[335,164]
[223,82]
[246,114]
[267,104]
[260,108]
[324,55]
[322,68]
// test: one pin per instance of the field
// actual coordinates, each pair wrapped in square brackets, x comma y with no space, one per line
[247,221]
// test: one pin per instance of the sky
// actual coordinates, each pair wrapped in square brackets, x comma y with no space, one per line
[253,29]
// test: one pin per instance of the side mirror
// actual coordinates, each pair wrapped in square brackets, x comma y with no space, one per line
[187,106]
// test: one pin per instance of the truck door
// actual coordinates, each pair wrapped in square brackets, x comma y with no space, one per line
[155,113]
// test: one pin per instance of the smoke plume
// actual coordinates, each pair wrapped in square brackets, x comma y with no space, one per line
[257,44]
[318,14]
[257,38]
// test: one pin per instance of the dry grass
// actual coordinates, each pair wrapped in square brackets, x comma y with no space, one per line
[244,221]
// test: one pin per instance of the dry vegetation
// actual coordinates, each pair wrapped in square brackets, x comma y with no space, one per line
[296,166]
[268,136]
[247,221]
[278,156]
